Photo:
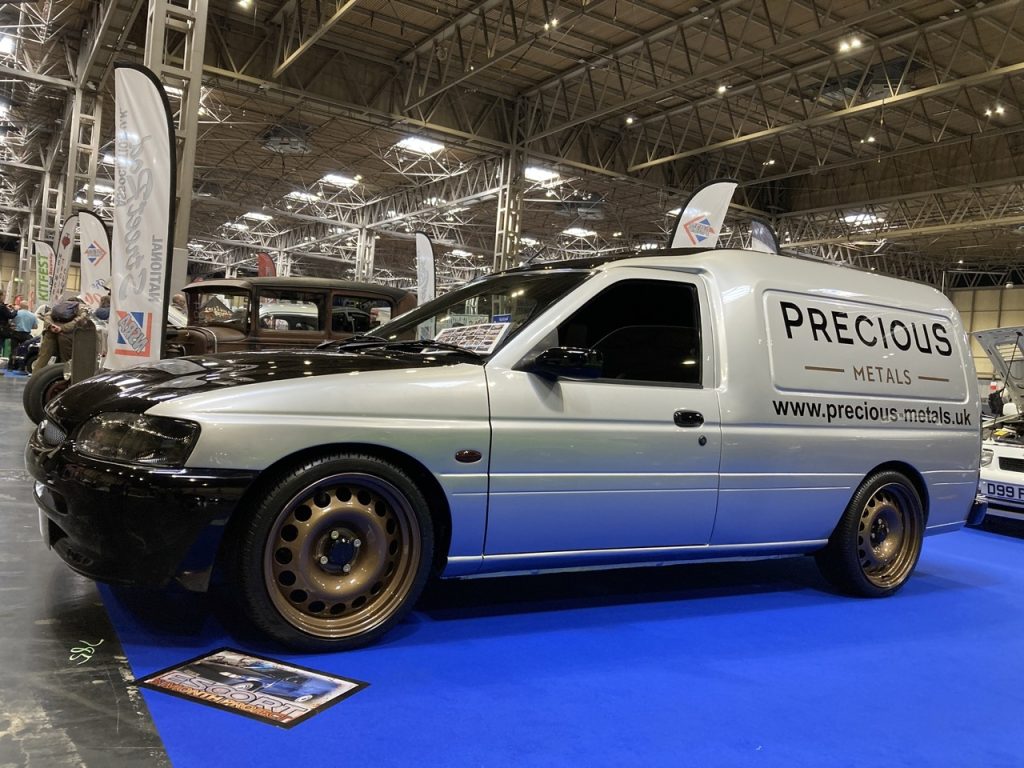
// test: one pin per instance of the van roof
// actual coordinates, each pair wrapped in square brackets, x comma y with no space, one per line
[736,266]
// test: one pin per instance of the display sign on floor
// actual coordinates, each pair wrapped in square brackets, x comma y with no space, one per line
[272,691]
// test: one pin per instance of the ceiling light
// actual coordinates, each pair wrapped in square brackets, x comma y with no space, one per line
[245,3]
[420,146]
[960,261]
[616,234]
[536,173]
[303,197]
[851,44]
[723,88]
[172,90]
[459,253]
[578,232]
[768,162]
[102,189]
[257,216]
[435,201]
[236,225]
[6,45]
[630,120]
[4,108]
[648,246]
[337,180]
[674,212]
[528,240]
[862,218]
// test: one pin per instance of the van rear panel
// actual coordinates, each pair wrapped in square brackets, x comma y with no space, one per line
[838,346]
[827,374]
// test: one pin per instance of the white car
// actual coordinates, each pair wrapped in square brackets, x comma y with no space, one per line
[1002,449]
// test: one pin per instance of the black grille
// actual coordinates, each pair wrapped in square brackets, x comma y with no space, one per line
[51,434]
[1011,465]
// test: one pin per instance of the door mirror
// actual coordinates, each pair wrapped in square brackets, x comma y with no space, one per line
[567,363]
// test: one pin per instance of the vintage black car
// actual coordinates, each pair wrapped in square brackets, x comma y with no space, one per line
[253,314]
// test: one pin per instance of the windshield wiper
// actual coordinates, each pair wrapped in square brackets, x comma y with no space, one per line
[368,341]
[359,340]
[431,344]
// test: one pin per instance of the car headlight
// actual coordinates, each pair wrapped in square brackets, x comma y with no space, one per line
[986,457]
[133,438]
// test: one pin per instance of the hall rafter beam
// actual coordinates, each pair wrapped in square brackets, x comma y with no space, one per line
[296,40]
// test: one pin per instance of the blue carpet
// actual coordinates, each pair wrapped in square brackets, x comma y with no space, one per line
[704,665]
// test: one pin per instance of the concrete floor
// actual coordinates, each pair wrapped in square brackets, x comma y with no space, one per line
[65,686]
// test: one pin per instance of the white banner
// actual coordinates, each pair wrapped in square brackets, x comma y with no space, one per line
[62,258]
[94,244]
[425,289]
[143,195]
[44,260]
[700,221]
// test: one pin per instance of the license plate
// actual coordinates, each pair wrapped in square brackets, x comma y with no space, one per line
[1004,491]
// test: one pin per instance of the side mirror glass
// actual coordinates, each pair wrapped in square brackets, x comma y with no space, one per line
[567,363]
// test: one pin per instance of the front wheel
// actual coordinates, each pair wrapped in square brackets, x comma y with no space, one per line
[876,545]
[334,554]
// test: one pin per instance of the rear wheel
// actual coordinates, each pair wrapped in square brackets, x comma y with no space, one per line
[41,388]
[876,545]
[335,553]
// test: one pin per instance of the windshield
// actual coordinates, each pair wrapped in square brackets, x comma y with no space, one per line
[223,307]
[483,315]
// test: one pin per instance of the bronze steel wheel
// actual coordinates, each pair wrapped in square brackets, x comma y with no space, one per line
[876,545]
[338,551]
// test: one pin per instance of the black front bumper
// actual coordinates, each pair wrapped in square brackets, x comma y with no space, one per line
[131,525]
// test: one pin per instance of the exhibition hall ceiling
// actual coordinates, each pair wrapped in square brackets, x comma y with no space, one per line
[885,134]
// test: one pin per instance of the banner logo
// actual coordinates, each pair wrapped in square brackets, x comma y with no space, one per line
[699,229]
[134,332]
[95,253]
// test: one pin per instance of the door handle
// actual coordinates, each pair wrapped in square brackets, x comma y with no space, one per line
[688,418]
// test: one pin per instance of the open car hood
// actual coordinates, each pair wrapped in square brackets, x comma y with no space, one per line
[1005,348]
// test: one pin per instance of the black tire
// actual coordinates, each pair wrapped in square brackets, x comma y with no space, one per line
[332,554]
[875,547]
[41,388]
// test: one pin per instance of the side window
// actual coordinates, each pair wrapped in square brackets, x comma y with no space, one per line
[291,311]
[358,314]
[646,330]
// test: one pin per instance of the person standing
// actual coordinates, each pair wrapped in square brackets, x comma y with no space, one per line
[103,311]
[58,332]
[24,323]
[6,316]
